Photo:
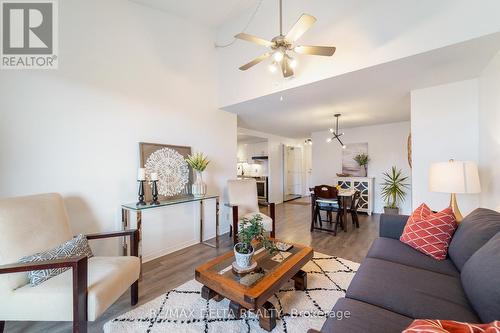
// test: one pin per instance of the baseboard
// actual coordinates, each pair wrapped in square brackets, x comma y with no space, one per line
[164,252]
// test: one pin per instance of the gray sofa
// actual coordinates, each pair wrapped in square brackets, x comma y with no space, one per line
[396,284]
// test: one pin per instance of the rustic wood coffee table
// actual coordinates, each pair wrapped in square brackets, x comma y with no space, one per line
[252,291]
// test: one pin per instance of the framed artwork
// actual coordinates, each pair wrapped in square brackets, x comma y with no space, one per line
[168,161]
[349,165]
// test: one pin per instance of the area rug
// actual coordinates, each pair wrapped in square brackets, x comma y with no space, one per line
[183,310]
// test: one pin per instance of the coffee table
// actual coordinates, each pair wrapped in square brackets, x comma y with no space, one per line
[252,291]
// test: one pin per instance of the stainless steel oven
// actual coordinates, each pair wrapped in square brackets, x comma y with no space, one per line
[262,192]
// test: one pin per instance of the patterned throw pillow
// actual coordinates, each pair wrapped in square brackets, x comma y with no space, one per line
[72,248]
[430,233]
[450,326]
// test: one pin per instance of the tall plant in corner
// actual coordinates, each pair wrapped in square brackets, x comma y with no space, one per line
[198,162]
[393,189]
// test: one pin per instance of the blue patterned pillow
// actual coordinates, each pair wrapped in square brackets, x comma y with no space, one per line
[72,248]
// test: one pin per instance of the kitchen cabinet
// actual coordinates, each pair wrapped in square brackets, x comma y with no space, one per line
[248,150]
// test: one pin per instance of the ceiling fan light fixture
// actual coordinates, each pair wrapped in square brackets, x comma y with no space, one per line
[273,68]
[278,56]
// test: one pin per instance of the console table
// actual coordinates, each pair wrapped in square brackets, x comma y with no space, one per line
[138,209]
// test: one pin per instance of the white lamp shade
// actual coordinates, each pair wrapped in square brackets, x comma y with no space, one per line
[454,177]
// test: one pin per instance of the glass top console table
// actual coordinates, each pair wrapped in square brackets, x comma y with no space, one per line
[138,209]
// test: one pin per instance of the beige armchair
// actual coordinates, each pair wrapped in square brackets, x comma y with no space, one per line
[37,223]
[242,194]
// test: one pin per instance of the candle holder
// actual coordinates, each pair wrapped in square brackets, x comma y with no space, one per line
[141,201]
[154,193]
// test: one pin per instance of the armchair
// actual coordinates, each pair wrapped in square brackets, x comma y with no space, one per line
[242,194]
[37,223]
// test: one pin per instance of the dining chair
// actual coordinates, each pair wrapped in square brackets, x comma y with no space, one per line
[353,209]
[242,195]
[326,199]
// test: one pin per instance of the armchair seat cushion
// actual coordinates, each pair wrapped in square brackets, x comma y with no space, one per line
[266,220]
[52,300]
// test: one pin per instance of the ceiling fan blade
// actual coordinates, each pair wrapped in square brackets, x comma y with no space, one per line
[316,50]
[255,61]
[253,39]
[300,27]
[285,68]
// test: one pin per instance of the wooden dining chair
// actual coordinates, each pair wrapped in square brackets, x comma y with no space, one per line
[353,210]
[329,193]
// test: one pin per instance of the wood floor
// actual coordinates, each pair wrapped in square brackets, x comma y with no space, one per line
[162,274]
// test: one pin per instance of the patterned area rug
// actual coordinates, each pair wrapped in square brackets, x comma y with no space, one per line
[183,310]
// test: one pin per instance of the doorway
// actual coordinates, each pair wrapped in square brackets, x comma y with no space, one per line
[292,173]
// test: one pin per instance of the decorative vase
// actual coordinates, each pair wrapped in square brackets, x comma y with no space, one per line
[243,260]
[199,188]
[365,168]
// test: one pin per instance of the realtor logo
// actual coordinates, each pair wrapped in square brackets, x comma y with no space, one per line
[29,34]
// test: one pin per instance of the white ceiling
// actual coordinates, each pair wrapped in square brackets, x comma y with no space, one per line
[374,95]
[209,13]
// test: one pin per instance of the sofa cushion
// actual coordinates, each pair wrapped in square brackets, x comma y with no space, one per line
[395,251]
[473,232]
[360,317]
[450,326]
[430,233]
[481,280]
[411,291]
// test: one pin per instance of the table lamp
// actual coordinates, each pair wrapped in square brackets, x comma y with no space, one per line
[454,177]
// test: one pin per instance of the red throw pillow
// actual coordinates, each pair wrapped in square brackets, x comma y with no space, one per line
[450,326]
[428,232]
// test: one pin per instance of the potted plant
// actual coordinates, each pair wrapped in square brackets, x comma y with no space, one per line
[199,163]
[362,160]
[393,190]
[251,230]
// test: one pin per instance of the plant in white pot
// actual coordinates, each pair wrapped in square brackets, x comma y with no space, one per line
[251,230]
[362,160]
[393,190]
[199,163]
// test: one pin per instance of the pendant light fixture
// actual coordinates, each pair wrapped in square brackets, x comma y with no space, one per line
[336,133]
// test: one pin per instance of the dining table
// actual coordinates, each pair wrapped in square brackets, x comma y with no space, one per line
[345,195]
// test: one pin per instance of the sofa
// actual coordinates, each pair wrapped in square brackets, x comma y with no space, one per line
[396,284]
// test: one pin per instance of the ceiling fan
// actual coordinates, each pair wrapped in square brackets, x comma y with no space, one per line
[281,46]
[336,133]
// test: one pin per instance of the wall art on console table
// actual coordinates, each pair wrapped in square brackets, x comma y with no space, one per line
[168,161]
[349,165]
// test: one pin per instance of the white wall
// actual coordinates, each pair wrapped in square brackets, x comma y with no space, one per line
[386,147]
[365,32]
[126,74]
[444,125]
[489,134]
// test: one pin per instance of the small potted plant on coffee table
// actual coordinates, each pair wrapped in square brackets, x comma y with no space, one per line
[393,190]
[250,230]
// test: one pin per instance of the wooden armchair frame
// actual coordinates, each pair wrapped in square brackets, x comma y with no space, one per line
[79,267]
[234,228]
